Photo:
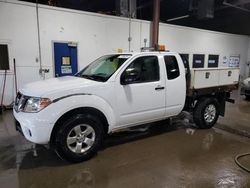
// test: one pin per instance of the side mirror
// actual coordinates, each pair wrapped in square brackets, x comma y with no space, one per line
[129,76]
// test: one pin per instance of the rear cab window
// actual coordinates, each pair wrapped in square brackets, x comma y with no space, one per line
[172,67]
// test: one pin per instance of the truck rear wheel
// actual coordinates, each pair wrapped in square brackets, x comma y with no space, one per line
[206,113]
[247,97]
[79,138]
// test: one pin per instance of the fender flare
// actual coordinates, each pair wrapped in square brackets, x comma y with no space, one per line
[74,101]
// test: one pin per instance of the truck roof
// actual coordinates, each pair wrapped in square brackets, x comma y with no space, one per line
[148,52]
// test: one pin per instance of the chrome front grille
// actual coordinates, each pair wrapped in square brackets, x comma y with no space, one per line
[20,102]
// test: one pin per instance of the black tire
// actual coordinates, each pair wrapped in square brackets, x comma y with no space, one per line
[61,146]
[199,112]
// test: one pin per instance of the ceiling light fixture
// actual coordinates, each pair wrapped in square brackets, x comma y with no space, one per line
[177,18]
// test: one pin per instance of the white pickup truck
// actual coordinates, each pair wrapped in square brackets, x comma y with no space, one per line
[118,91]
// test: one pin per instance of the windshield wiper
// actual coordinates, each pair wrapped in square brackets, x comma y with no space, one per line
[99,77]
[94,77]
[87,76]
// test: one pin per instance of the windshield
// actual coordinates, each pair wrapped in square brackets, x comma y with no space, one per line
[104,67]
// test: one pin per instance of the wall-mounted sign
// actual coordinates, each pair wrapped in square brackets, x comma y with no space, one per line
[234,61]
[213,60]
[185,59]
[225,60]
[66,65]
[198,60]
[66,69]
[72,44]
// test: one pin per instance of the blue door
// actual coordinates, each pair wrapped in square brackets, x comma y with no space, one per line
[65,57]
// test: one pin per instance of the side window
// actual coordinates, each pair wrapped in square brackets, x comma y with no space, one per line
[145,68]
[172,67]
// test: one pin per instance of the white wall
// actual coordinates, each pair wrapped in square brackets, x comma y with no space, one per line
[18,29]
[188,40]
[96,35]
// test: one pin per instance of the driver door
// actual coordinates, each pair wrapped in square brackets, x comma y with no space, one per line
[143,98]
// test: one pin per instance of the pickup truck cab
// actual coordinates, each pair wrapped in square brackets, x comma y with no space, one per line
[116,91]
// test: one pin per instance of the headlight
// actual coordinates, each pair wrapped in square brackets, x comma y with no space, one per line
[35,104]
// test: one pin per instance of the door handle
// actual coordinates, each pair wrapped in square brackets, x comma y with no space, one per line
[159,88]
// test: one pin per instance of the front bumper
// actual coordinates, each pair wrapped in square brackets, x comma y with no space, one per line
[33,127]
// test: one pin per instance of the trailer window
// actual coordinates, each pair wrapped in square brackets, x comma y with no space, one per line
[172,67]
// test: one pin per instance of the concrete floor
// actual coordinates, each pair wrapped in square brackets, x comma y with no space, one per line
[161,156]
[237,117]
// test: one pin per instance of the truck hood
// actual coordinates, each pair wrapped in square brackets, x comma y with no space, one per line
[60,86]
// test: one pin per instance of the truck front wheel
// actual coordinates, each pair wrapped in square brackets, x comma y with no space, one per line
[206,112]
[79,138]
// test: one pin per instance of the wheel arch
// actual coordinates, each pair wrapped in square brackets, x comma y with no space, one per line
[199,112]
[221,99]
[79,110]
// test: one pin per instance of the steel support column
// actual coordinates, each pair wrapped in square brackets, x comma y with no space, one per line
[155,24]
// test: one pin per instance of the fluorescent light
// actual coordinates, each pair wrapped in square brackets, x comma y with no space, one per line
[177,18]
